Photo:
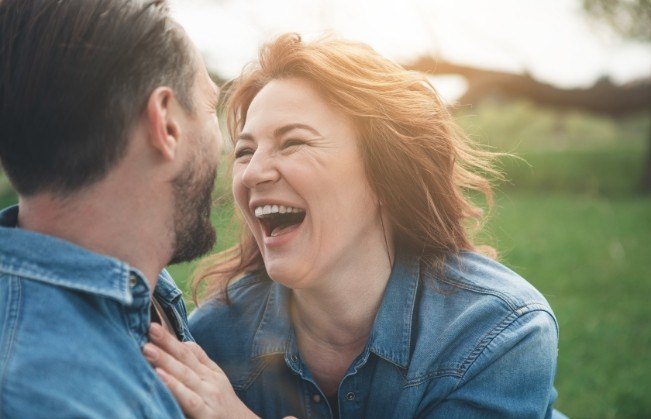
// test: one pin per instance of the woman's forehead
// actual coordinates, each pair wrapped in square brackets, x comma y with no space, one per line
[291,101]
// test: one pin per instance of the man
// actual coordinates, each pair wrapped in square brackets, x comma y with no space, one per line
[109,135]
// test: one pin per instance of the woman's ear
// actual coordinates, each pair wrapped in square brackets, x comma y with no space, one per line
[163,125]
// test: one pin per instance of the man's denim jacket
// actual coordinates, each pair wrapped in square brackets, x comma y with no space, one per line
[72,323]
[473,341]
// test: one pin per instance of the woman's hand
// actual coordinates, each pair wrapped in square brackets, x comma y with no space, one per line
[198,384]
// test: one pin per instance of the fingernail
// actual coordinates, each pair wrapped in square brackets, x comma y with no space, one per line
[155,331]
[150,351]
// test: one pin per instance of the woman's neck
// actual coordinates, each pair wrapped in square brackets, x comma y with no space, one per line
[333,322]
[338,317]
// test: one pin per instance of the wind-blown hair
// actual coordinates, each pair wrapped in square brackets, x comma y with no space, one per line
[419,165]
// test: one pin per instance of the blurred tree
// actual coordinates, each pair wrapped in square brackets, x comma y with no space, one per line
[603,97]
[630,19]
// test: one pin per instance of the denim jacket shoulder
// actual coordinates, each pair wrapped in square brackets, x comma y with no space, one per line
[71,326]
[469,314]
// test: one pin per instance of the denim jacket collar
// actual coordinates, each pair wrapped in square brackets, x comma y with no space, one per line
[21,251]
[389,339]
[166,290]
[274,334]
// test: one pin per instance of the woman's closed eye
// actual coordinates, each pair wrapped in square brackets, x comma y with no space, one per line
[293,142]
[243,152]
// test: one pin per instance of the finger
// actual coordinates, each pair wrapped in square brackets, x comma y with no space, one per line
[168,343]
[191,403]
[202,357]
[161,359]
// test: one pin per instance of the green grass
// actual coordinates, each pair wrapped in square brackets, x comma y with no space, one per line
[590,257]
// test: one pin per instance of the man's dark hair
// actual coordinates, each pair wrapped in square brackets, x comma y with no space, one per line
[74,77]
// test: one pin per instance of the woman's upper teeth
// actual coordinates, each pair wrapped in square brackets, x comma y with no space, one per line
[264,210]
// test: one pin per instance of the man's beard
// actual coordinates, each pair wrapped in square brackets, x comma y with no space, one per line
[194,234]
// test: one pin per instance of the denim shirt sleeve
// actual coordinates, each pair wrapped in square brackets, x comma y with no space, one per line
[510,373]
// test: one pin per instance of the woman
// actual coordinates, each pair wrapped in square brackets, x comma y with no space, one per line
[356,290]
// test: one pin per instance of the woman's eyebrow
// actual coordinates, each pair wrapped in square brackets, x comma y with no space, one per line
[286,128]
[244,137]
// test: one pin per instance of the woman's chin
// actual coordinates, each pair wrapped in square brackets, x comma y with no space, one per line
[286,274]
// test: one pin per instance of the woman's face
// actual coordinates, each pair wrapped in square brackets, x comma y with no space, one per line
[299,180]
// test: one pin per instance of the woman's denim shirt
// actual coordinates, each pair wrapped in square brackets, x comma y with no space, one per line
[71,326]
[476,341]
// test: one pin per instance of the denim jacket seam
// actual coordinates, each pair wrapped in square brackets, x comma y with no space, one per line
[465,365]
[509,320]
[469,360]
[536,306]
[10,339]
[447,372]
[36,276]
[471,287]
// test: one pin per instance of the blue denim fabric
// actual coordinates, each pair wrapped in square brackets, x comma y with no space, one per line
[72,324]
[476,342]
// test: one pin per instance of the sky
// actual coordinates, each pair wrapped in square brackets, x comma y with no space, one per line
[552,40]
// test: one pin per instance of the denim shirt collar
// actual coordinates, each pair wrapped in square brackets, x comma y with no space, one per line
[51,260]
[274,330]
[389,339]
[166,290]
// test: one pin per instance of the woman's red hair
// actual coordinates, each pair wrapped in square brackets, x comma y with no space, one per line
[417,161]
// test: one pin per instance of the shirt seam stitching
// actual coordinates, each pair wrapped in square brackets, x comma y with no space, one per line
[479,348]
[506,298]
[20,273]
[11,342]
[488,339]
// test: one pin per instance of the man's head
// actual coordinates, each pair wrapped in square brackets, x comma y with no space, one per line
[76,77]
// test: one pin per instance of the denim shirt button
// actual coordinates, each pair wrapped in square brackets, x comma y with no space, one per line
[133,280]
[294,358]
[350,396]
[316,398]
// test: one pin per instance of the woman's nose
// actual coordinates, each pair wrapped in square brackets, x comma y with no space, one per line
[260,169]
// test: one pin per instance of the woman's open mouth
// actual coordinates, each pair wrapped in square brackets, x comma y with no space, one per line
[279,219]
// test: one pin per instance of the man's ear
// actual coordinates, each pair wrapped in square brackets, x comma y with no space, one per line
[162,118]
